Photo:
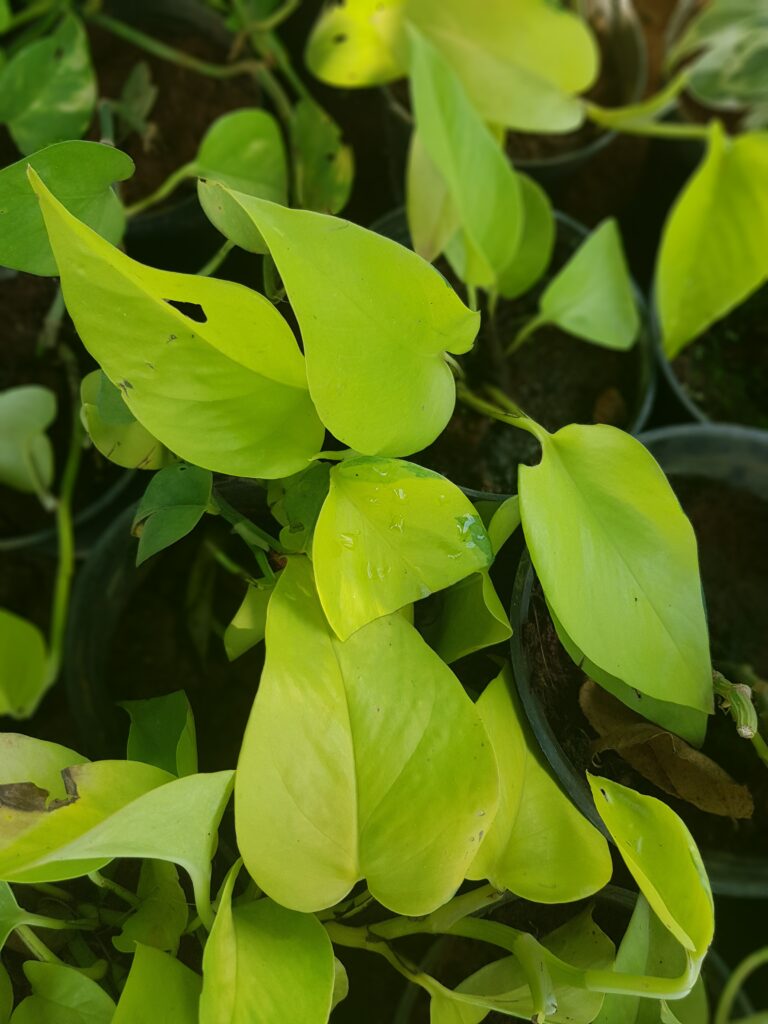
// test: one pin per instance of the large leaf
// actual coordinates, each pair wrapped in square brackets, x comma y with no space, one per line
[661,854]
[501,985]
[25,759]
[263,962]
[243,149]
[80,175]
[592,296]
[222,384]
[324,167]
[159,990]
[62,995]
[396,780]
[358,43]
[600,518]
[24,676]
[48,88]
[26,453]
[376,321]
[113,428]
[482,184]
[521,64]
[171,507]
[389,533]
[539,845]
[713,252]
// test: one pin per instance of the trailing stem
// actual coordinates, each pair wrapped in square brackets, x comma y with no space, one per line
[736,982]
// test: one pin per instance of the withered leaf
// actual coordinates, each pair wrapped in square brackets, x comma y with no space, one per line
[661,757]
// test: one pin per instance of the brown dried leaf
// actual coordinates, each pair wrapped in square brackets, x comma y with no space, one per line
[663,758]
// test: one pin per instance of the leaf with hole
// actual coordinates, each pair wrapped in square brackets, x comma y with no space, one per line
[390,533]
[376,322]
[393,758]
[209,367]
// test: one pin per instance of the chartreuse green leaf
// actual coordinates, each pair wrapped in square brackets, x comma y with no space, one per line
[648,948]
[244,150]
[599,516]
[358,43]
[12,916]
[592,296]
[482,183]
[663,858]
[80,175]
[501,985]
[161,917]
[62,995]
[26,454]
[25,759]
[172,505]
[340,983]
[432,216]
[505,57]
[536,243]
[712,253]
[503,522]
[48,88]
[539,845]
[469,617]
[324,166]
[249,624]
[688,722]
[391,532]
[376,322]
[396,780]
[23,665]
[113,428]
[263,962]
[159,989]
[209,367]
[163,733]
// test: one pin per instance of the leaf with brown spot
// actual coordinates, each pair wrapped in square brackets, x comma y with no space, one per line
[661,757]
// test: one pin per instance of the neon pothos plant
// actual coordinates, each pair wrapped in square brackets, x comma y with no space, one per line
[364,760]
[525,68]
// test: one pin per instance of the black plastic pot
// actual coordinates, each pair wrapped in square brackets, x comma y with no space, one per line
[728,454]
[619,902]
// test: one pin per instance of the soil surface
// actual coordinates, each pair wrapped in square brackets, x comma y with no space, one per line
[725,371]
[731,526]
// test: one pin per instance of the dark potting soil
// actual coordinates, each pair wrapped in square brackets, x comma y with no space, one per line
[725,371]
[731,527]
[24,301]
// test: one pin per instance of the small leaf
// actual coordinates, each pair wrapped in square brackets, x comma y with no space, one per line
[296,502]
[325,167]
[713,253]
[340,983]
[539,846]
[163,733]
[209,367]
[395,781]
[432,216]
[358,43]
[173,504]
[48,88]
[244,150]
[482,184]
[159,989]
[249,624]
[162,916]
[389,533]
[376,321]
[592,296]
[24,676]
[113,428]
[62,995]
[600,517]
[537,241]
[663,858]
[469,617]
[503,523]
[263,958]
[26,454]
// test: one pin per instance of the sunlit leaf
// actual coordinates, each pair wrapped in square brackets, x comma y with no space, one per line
[389,533]
[503,522]
[358,43]
[432,216]
[172,505]
[396,779]
[159,989]
[249,623]
[536,243]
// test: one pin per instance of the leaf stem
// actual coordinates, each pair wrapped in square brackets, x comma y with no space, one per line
[252,534]
[512,415]
[114,887]
[35,945]
[607,118]
[526,331]
[171,183]
[736,982]
[217,259]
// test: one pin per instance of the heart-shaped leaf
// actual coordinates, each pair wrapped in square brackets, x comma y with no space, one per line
[80,175]
[393,758]
[62,995]
[24,676]
[159,988]
[539,845]
[376,321]
[172,505]
[26,454]
[209,367]
[389,533]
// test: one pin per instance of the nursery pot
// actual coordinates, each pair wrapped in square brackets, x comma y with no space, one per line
[727,455]
[613,903]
